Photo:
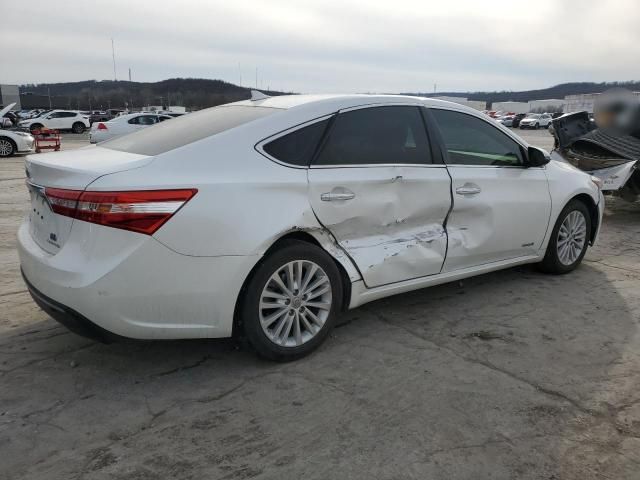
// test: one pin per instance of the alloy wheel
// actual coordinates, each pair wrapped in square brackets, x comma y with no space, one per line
[295,303]
[572,237]
[6,148]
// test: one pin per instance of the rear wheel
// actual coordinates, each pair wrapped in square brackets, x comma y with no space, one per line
[291,301]
[569,239]
[78,127]
[7,147]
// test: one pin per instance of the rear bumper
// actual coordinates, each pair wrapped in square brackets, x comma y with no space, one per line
[107,281]
[68,317]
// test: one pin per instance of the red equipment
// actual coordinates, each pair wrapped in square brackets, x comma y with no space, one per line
[47,139]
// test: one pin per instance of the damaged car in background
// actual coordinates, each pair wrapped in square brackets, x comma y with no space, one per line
[12,139]
[607,146]
[263,219]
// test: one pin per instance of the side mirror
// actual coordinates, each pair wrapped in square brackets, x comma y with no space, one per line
[536,157]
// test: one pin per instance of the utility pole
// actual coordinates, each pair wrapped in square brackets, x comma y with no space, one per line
[240,72]
[49,94]
[113,55]
[435,86]
[256,78]
[129,73]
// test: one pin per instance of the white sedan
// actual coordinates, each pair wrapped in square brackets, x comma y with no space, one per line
[266,218]
[123,124]
[13,141]
[536,120]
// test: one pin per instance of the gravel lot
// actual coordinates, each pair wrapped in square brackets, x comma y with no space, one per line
[511,375]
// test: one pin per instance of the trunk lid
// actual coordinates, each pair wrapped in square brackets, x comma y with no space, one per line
[70,170]
[75,169]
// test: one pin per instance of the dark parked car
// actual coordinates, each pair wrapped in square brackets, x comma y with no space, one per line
[517,118]
[104,115]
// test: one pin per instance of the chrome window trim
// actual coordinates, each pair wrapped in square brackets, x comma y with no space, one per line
[381,165]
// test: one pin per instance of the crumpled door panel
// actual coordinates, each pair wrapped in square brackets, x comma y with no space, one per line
[393,227]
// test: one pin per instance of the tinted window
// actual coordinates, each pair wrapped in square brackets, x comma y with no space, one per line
[377,135]
[144,120]
[187,129]
[472,141]
[298,147]
[67,114]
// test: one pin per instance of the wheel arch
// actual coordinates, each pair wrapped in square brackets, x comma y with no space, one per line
[318,238]
[593,212]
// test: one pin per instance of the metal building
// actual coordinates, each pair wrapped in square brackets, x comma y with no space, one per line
[10,94]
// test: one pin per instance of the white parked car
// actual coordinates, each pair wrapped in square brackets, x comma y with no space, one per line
[58,120]
[264,219]
[123,124]
[13,141]
[536,120]
[506,120]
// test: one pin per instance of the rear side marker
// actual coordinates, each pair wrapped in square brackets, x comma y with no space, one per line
[143,211]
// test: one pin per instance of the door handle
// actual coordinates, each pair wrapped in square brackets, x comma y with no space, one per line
[468,189]
[334,196]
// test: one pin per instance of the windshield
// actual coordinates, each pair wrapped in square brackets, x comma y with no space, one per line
[533,116]
[186,129]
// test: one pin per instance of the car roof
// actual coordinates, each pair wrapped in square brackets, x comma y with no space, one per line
[328,103]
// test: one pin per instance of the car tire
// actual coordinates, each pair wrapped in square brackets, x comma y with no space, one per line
[569,239]
[536,126]
[278,317]
[35,126]
[7,147]
[78,127]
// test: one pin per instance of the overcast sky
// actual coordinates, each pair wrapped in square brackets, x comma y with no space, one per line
[325,45]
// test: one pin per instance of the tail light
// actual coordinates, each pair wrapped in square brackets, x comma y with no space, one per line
[102,126]
[143,211]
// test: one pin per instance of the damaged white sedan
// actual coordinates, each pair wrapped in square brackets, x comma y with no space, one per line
[265,218]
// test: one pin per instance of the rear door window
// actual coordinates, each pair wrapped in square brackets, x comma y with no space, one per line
[377,135]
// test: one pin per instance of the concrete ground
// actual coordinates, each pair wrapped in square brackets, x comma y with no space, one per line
[510,375]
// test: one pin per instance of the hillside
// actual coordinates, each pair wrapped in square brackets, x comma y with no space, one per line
[196,93]
[193,93]
[557,91]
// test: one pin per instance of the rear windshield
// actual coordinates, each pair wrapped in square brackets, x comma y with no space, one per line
[186,129]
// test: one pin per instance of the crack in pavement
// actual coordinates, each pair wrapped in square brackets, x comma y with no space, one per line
[51,357]
[622,430]
[183,367]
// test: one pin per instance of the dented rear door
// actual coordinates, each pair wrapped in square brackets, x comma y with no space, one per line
[375,187]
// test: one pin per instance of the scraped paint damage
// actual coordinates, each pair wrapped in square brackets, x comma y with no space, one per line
[394,248]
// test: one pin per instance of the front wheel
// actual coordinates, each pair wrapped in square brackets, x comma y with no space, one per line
[291,301]
[569,239]
[7,148]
